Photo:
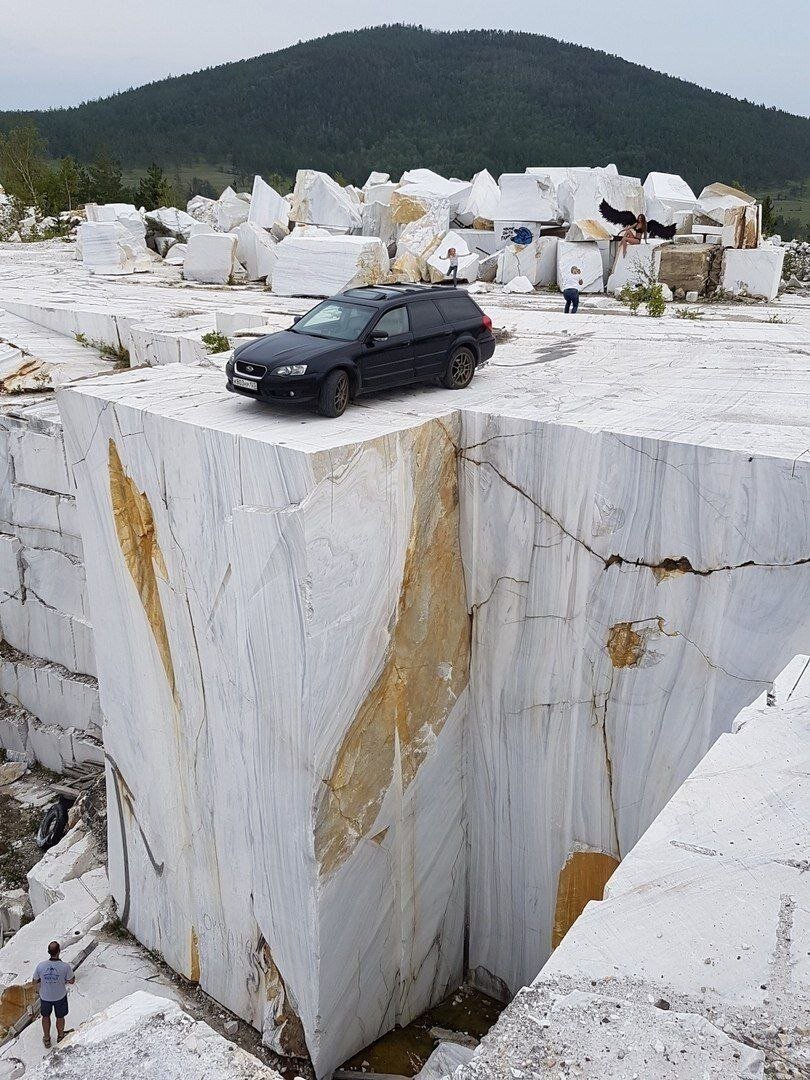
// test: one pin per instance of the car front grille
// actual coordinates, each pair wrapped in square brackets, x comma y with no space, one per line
[252,371]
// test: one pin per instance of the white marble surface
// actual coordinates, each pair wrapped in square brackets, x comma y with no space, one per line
[275,864]
[324,265]
[318,200]
[752,272]
[536,261]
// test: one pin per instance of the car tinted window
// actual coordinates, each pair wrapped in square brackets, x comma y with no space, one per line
[424,315]
[335,319]
[394,322]
[458,308]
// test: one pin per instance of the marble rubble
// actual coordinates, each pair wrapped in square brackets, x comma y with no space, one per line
[729,848]
[323,265]
[158,1035]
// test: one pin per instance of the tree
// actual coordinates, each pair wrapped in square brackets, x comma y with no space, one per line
[154,189]
[22,168]
[768,216]
[105,179]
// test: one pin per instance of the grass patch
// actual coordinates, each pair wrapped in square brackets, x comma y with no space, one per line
[686,313]
[119,354]
[645,291]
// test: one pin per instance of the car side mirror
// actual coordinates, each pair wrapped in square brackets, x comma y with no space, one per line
[377,336]
[297,318]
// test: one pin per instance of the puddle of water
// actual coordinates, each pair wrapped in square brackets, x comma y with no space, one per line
[405,1050]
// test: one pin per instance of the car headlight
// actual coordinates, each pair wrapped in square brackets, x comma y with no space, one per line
[292,369]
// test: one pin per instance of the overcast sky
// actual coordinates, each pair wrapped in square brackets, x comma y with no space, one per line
[57,52]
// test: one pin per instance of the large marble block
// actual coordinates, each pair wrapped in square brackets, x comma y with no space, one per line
[318,200]
[536,261]
[638,265]
[629,597]
[267,207]
[285,758]
[323,265]
[586,256]
[111,249]
[752,272]
[526,198]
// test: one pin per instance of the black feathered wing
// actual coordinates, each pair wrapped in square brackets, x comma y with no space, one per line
[663,232]
[616,217]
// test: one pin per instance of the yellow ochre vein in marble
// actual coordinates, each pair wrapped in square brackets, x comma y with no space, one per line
[135,527]
[426,667]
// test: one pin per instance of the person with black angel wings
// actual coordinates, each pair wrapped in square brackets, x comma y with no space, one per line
[635,227]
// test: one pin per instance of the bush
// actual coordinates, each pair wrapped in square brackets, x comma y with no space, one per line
[646,290]
[686,313]
[216,342]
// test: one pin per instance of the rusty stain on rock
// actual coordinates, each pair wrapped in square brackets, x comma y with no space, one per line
[624,645]
[426,667]
[14,1001]
[194,967]
[582,878]
[135,527]
[287,1037]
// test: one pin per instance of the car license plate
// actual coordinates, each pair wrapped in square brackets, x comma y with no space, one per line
[248,384]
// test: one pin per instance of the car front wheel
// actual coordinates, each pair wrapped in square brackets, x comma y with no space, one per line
[333,396]
[460,369]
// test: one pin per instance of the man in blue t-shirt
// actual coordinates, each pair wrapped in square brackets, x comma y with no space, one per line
[53,977]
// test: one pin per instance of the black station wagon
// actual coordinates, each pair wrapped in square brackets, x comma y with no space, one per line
[366,339]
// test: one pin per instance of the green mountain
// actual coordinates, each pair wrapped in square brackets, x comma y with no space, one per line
[396,97]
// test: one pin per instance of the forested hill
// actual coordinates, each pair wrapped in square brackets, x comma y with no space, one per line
[396,97]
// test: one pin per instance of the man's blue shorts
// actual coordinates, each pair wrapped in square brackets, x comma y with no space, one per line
[60,1008]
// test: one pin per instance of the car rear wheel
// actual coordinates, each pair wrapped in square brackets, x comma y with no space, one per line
[333,396]
[460,369]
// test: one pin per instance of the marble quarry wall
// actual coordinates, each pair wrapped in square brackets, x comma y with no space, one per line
[49,708]
[629,597]
[379,710]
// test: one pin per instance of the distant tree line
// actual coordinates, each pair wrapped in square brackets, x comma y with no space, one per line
[397,97]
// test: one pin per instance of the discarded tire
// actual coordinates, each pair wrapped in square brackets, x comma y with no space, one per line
[53,824]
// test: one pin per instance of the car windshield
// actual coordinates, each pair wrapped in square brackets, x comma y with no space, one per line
[335,319]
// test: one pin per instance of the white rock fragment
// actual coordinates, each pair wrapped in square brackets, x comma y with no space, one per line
[323,265]
[428,187]
[230,210]
[519,285]
[668,198]
[715,199]
[268,209]
[318,200]
[256,251]
[417,242]
[169,221]
[201,209]
[444,1061]
[375,179]
[482,202]
[210,258]
[73,856]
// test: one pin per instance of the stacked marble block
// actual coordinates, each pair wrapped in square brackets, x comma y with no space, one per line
[49,708]
[389,698]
